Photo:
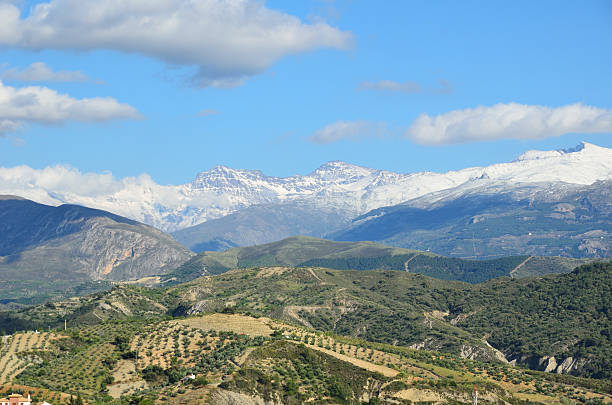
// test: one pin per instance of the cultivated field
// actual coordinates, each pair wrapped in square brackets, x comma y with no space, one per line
[14,351]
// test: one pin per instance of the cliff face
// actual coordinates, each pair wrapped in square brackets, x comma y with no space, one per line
[550,364]
[39,242]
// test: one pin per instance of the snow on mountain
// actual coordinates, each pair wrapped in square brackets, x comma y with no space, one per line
[349,188]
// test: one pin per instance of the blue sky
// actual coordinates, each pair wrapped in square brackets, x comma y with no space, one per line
[353,90]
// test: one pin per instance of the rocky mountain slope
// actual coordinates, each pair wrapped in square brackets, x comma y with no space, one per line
[551,219]
[347,189]
[68,244]
[262,224]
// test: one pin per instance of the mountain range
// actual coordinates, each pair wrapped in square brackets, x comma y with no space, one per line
[354,189]
[552,219]
[542,203]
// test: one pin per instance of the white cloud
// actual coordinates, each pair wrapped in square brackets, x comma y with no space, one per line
[40,72]
[389,85]
[508,121]
[351,130]
[226,40]
[58,179]
[42,105]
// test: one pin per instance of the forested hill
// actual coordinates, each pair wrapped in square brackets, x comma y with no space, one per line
[530,320]
[313,252]
[567,316]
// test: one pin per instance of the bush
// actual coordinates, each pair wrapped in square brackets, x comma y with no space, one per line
[200,381]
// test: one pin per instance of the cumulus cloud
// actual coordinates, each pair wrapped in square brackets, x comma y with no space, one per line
[42,105]
[58,179]
[351,130]
[226,40]
[508,121]
[41,72]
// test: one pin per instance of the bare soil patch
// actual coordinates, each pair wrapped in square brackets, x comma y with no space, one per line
[230,323]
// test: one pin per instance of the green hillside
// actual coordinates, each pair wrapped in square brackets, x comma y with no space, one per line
[287,252]
[529,320]
[304,251]
[146,362]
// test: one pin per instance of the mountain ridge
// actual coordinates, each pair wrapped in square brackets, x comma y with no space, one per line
[552,219]
[352,189]
[302,251]
[46,249]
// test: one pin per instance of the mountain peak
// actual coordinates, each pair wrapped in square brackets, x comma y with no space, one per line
[219,175]
[580,149]
[338,168]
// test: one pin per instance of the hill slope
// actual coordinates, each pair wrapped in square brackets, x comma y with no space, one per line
[44,247]
[262,224]
[555,323]
[306,251]
[238,359]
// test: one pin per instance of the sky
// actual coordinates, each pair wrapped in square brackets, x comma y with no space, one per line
[174,87]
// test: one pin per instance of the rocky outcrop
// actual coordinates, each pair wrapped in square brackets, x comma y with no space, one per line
[481,353]
[550,364]
[476,351]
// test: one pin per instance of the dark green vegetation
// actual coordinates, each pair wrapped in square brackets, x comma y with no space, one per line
[371,316]
[313,252]
[570,221]
[564,316]
[445,268]
[19,293]
[528,319]
[287,252]
[46,250]
[295,373]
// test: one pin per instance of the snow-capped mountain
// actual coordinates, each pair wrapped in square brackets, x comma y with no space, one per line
[344,187]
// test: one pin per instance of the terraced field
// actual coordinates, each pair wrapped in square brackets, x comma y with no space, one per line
[82,361]
[114,360]
[15,348]
[170,344]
